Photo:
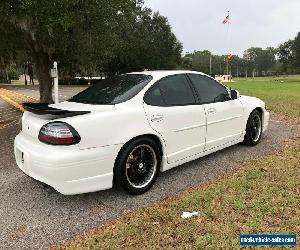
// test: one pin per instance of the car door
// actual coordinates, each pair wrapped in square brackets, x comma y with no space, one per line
[224,115]
[172,111]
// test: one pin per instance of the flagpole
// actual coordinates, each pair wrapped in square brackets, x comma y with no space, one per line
[228,43]
[228,56]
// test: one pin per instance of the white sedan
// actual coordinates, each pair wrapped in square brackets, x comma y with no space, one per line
[124,130]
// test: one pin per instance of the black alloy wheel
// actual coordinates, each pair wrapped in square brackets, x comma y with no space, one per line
[253,129]
[137,166]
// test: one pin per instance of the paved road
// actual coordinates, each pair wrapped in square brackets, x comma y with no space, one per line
[34,91]
[8,114]
[35,217]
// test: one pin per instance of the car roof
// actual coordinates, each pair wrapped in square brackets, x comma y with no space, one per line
[164,73]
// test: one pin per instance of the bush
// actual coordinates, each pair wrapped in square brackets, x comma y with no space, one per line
[68,81]
[95,81]
[13,74]
[82,81]
[2,76]
[73,81]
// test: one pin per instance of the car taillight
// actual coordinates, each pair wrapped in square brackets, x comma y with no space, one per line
[59,133]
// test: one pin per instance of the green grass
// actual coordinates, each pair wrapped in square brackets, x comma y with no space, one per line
[282,95]
[262,197]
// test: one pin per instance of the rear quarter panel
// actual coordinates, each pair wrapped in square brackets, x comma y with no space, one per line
[118,126]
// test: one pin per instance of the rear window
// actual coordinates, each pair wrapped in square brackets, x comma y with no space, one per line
[113,90]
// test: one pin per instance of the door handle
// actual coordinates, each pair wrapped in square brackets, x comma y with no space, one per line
[157,118]
[211,111]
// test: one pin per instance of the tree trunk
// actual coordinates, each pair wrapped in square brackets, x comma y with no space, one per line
[25,79]
[25,72]
[43,75]
[6,75]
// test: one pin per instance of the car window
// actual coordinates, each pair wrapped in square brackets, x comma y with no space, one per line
[113,90]
[176,90]
[209,90]
[154,97]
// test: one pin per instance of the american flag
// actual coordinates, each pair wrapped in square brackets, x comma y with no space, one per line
[226,20]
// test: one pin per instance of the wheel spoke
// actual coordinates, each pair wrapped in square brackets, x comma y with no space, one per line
[255,128]
[131,159]
[253,134]
[135,176]
[148,162]
[142,155]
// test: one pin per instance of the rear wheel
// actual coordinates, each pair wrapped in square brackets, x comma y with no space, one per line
[253,129]
[137,166]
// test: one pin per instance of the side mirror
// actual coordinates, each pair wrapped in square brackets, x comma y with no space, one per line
[234,94]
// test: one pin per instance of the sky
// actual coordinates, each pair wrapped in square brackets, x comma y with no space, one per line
[253,23]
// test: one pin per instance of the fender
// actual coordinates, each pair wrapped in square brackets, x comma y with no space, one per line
[249,104]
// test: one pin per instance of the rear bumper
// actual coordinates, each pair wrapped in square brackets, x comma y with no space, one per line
[67,169]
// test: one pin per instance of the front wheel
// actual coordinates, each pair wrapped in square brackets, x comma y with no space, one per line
[137,166]
[253,129]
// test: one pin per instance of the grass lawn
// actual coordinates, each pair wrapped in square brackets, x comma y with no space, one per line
[263,197]
[281,95]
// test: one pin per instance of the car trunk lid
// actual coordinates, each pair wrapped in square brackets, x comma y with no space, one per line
[38,114]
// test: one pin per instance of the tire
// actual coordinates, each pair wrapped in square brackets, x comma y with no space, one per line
[137,166]
[253,129]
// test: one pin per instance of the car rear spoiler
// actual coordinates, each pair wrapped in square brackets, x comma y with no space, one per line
[44,109]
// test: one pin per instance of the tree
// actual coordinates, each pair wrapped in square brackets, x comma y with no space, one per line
[256,60]
[261,60]
[200,61]
[187,62]
[285,54]
[53,29]
[8,51]
[147,42]
[87,37]
[296,49]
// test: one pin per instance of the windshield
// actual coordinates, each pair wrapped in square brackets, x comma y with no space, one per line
[113,90]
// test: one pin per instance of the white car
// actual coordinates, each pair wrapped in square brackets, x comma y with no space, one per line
[126,129]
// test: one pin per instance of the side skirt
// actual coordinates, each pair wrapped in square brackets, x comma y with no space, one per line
[166,166]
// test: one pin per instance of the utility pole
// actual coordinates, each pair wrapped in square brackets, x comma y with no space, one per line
[210,65]
[25,72]
[227,65]
[54,75]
